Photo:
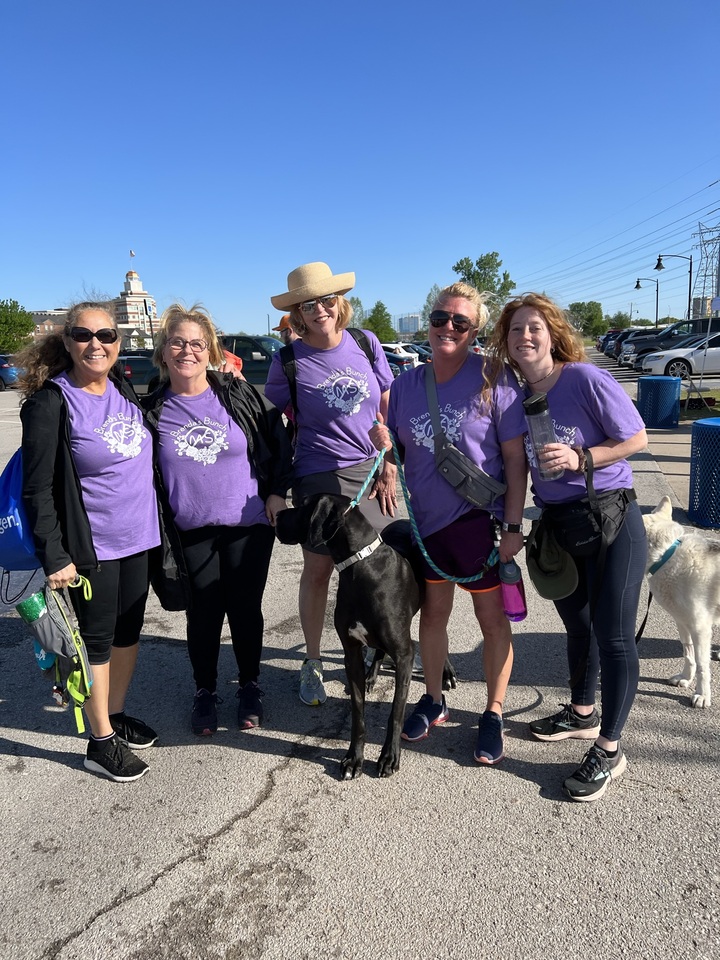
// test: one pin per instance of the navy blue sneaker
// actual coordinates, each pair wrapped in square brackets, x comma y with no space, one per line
[204,720]
[426,714]
[489,748]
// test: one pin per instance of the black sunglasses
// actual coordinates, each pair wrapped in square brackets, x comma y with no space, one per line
[83,335]
[460,324]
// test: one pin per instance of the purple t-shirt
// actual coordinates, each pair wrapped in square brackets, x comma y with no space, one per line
[205,465]
[477,432]
[112,452]
[338,396]
[588,406]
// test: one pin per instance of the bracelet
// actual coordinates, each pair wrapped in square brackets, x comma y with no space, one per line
[511,527]
[582,459]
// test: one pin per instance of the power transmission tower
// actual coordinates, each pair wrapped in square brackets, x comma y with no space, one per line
[707,279]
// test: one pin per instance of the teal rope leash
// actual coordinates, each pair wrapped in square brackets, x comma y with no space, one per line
[363,488]
[491,561]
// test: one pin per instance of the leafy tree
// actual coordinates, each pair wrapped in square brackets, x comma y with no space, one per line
[429,304]
[587,317]
[16,325]
[358,317]
[380,322]
[484,274]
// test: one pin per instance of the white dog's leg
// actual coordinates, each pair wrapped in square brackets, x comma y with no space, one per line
[687,674]
[703,642]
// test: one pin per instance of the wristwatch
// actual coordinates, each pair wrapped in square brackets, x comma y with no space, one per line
[511,527]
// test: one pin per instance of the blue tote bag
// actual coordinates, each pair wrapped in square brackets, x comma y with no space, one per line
[17,548]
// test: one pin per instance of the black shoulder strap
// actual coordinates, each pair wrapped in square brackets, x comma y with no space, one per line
[287,361]
[362,341]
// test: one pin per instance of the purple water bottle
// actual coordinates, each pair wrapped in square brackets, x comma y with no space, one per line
[513,591]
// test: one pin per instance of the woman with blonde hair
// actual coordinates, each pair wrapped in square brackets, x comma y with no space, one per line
[595,423]
[84,447]
[225,461]
[340,382]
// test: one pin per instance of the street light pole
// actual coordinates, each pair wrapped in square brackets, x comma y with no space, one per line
[657,294]
[660,266]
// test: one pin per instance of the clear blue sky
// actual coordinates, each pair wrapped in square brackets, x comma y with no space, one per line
[228,142]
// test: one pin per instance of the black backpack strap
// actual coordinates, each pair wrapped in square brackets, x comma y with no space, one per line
[362,341]
[287,361]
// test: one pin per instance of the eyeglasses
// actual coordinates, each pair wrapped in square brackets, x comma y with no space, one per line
[460,324]
[327,302]
[83,335]
[177,343]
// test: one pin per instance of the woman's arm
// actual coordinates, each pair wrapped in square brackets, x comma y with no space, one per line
[385,486]
[603,454]
[513,454]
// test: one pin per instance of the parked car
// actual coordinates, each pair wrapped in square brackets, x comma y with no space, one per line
[685,361]
[403,363]
[602,340]
[627,346]
[256,354]
[629,356]
[424,354]
[400,350]
[674,336]
[141,372]
[8,371]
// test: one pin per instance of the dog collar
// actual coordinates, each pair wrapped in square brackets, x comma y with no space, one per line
[665,557]
[360,555]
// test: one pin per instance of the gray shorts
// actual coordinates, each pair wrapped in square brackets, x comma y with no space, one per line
[347,482]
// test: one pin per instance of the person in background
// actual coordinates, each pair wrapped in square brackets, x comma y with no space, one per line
[481,413]
[85,446]
[591,412]
[338,393]
[225,462]
[285,330]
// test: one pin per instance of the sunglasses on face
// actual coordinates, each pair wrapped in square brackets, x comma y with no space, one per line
[83,335]
[460,324]
[177,343]
[327,302]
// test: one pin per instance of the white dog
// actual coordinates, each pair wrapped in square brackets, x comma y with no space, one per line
[684,571]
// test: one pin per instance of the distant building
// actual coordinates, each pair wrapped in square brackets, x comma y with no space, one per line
[48,321]
[408,324]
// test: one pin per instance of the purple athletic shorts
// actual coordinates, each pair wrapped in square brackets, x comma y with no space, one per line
[461,550]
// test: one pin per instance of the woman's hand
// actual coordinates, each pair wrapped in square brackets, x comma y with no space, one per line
[510,545]
[559,456]
[62,578]
[273,505]
[385,489]
[380,435]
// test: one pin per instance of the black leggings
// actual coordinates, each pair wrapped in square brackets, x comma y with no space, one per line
[612,647]
[114,616]
[228,569]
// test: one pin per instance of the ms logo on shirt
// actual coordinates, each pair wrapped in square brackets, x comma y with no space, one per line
[345,390]
[123,435]
[450,420]
[201,441]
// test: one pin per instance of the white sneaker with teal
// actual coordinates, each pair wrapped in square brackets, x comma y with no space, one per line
[312,689]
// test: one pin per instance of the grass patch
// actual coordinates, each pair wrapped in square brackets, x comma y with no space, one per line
[696,409]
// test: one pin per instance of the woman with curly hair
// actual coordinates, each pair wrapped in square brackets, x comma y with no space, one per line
[594,421]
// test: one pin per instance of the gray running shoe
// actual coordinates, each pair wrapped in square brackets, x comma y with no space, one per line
[312,689]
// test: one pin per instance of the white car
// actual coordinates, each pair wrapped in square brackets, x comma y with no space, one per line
[400,350]
[687,361]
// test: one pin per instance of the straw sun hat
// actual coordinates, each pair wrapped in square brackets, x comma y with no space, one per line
[310,281]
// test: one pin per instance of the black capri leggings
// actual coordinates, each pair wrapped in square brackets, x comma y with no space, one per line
[114,615]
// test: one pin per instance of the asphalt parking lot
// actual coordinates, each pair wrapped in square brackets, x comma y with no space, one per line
[247,845]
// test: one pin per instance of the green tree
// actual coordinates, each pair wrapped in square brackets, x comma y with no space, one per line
[430,302]
[484,274]
[380,322]
[358,317]
[587,317]
[16,325]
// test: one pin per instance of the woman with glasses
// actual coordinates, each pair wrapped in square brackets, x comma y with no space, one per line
[85,450]
[480,411]
[340,382]
[225,461]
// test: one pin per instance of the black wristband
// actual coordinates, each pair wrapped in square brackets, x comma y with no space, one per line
[511,527]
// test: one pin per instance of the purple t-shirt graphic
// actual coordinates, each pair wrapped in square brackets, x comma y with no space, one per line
[338,395]
[475,430]
[588,406]
[112,453]
[205,464]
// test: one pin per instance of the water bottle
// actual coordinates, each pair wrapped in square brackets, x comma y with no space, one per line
[513,591]
[31,610]
[542,431]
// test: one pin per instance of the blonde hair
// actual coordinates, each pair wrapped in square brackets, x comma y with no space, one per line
[45,359]
[345,312]
[567,347]
[171,319]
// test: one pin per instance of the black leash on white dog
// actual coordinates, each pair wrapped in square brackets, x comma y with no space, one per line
[654,569]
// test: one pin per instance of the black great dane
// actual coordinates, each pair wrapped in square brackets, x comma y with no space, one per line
[379,593]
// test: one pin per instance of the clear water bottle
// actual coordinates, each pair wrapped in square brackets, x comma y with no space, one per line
[513,591]
[542,431]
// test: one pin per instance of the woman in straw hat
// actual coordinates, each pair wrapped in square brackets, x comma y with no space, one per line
[339,393]
[595,419]
[481,413]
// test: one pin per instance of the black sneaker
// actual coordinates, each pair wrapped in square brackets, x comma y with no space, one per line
[133,732]
[204,714]
[111,758]
[597,770]
[250,708]
[566,725]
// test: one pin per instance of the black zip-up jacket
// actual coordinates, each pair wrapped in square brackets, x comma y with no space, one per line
[51,487]
[269,446]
